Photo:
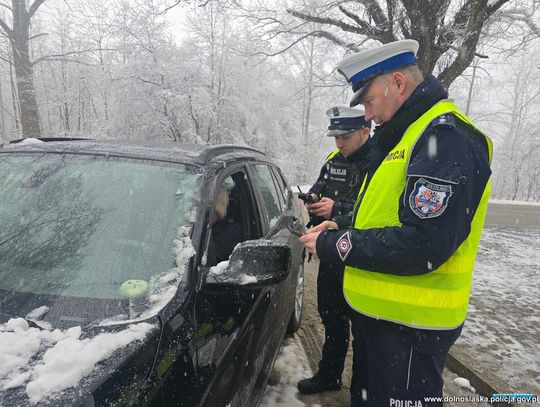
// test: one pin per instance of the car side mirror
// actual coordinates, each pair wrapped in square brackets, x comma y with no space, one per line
[253,264]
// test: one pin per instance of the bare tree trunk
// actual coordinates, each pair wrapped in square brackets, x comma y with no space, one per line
[44,83]
[309,99]
[308,103]
[471,87]
[14,98]
[65,112]
[3,131]
[24,73]
[19,37]
[192,115]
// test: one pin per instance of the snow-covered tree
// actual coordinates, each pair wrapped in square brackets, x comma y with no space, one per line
[17,29]
[448,31]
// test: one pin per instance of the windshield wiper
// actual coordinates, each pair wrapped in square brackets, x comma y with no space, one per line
[32,323]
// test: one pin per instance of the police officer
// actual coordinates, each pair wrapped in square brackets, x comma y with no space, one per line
[335,191]
[417,225]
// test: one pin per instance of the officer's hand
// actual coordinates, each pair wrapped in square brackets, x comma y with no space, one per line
[327,224]
[309,240]
[323,208]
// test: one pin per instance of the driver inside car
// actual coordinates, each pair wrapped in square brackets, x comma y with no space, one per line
[226,233]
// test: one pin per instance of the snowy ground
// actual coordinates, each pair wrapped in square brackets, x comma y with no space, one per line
[502,331]
[291,366]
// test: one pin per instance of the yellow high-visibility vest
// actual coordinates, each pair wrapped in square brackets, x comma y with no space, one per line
[331,155]
[438,299]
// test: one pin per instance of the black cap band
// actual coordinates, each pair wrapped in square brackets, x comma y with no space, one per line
[348,123]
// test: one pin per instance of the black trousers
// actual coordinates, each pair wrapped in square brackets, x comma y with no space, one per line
[394,365]
[334,312]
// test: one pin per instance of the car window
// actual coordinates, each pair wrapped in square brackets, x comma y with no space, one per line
[270,195]
[282,188]
[233,218]
[95,228]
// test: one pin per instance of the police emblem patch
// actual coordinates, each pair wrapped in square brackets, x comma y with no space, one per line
[344,245]
[429,200]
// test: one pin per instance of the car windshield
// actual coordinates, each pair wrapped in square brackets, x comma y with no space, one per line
[86,238]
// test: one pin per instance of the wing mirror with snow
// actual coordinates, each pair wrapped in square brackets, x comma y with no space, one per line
[253,264]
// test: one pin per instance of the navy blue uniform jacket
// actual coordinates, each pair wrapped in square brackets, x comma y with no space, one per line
[343,189]
[451,155]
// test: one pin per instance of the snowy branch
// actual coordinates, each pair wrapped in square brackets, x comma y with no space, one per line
[327,20]
[523,16]
[57,57]
[6,28]
[33,8]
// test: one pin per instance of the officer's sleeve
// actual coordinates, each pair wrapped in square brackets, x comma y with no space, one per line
[318,188]
[320,185]
[342,212]
[446,177]
[342,222]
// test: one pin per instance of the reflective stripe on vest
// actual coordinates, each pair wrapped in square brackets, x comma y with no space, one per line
[438,299]
[332,155]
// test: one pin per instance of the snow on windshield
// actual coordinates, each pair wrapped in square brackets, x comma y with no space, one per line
[55,369]
[163,287]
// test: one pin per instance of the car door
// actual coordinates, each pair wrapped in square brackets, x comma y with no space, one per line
[275,209]
[229,321]
[292,221]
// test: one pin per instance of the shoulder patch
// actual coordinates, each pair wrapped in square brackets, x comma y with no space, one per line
[429,200]
[344,245]
[448,120]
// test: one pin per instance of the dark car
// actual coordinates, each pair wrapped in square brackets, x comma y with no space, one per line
[135,274]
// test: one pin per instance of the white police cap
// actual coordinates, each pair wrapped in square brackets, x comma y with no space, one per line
[359,69]
[344,120]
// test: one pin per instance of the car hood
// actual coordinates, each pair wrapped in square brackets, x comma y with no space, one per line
[64,367]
